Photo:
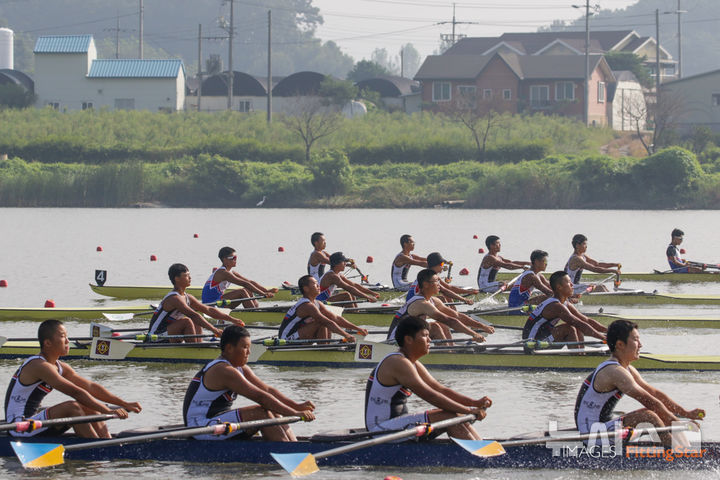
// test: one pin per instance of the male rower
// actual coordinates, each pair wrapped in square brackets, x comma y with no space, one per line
[426,305]
[311,319]
[333,279]
[578,262]
[403,261]
[528,281]
[614,378]
[179,312]
[400,374]
[557,320]
[437,263]
[491,263]
[318,257]
[677,263]
[221,278]
[40,374]
[210,395]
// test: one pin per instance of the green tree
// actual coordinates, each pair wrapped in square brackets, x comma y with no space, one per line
[337,92]
[365,69]
[634,63]
[15,96]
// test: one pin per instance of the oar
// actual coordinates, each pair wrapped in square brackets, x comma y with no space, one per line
[40,455]
[3,340]
[32,425]
[493,311]
[503,288]
[301,464]
[111,349]
[593,286]
[714,266]
[448,277]
[493,448]
[485,322]
[119,317]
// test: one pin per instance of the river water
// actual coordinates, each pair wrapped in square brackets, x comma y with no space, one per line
[51,254]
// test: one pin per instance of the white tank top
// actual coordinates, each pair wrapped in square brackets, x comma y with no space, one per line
[383,402]
[201,403]
[593,406]
[399,275]
[316,271]
[23,401]
[575,275]
[486,275]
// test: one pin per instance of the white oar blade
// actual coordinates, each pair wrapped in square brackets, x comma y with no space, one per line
[118,317]
[371,352]
[481,448]
[109,349]
[296,464]
[38,455]
[335,309]
[100,330]
[2,341]
[256,351]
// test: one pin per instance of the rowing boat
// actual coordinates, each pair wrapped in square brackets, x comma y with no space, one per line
[76,313]
[345,357]
[438,453]
[656,276]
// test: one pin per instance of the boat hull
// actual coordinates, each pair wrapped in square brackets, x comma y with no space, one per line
[706,277]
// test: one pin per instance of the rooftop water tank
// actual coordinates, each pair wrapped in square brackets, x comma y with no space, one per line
[6,48]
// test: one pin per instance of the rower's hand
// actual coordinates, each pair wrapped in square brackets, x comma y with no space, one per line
[468,301]
[371,298]
[487,328]
[270,293]
[218,333]
[697,414]
[306,415]
[574,299]
[362,331]
[349,339]
[483,403]
[120,413]
[479,413]
[478,338]
[306,405]
[448,279]
[273,290]
[134,407]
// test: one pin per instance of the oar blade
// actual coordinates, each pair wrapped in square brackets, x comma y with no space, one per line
[38,455]
[109,349]
[371,352]
[296,464]
[2,341]
[118,317]
[481,448]
[256,351]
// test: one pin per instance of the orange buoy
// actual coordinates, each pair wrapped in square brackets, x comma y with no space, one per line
[153,258]
[682,250]
[475,237]
[481,250]
[464,271]
[50,303]
[369,259]
[3,283]
[281,249]
[196,235]
[98,249]
[392,477]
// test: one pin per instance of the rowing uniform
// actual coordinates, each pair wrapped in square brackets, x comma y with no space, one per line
[161,319]
[291,322]
[403,312]
[486,278]
[316,271]
[593,407]
[537,327]
[674,253]
[213,291]
[22,402]
[413,290]
[399,275]
[576,276]
[326,292]
[203,407]
[519,294]
[386,405]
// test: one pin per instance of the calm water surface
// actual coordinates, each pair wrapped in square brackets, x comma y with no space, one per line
[51,253]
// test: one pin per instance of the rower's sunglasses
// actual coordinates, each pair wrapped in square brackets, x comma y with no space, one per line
[234,257]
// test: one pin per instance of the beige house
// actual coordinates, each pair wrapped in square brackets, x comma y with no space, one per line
[699,100]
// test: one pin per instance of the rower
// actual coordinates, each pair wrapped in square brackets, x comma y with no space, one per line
[210,395]
[437,263]
[42,373]
[318,257]
[425,304]
[677,263]
[578,262]
[557,320]
[491,263]
[616,377]
[532,278]
[311,319]
[221,278]
[333,279]
[400,374]
[402,263]
[177,313]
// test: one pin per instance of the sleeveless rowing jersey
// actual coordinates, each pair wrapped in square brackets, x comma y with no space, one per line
[575,275]
[674,258]
[486,276]
[592,406]
[412,291]
[327,292]
[23,401]
[519,295]
[201,403]
[399,274]
[403,312]
[537,327]
[316,271]
[162,318]
[212,291]
[291,322]
[384,402]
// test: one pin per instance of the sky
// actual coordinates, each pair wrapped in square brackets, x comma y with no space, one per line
[360,26]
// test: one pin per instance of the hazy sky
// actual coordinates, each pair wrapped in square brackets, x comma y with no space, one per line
[360,26]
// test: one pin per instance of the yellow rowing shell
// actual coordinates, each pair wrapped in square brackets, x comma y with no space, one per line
[709,277]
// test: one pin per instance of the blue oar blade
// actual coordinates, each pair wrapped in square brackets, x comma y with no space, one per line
[296,464]
[38,455]
[481,448]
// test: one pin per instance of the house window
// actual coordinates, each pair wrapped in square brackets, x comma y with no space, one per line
[507,94]
[245,106]
[539,95]
[441,91]
[670,71]
[601,92]
[564,91]
[487,94]
[54,105]
[87,105]
[124,104]
[466,94]
[716,99]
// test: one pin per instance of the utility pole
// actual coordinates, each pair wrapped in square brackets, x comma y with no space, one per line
[117,35]
[199,71]
[587,62]
[451,39]
[657,54]
[402,62]
[231,74]
[142,21]
[269,73]
[679,12]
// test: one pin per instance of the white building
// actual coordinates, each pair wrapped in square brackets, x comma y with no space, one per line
[69,76]
[628,105]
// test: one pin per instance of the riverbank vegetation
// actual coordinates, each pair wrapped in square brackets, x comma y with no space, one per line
[118,159]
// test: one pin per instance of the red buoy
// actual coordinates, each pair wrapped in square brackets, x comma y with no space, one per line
[153,258]
[196,235]
[464,271]
[98,249]
[392,477]
[115,334]
[481,250]
[682,250]
[385,305]
[50,303]
[3,283]
[369,259]
[281,249]
[475,237]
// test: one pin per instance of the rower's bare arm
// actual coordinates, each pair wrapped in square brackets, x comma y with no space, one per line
[669,403]
[354,288]
[590,321]
[593,265]
[541,283]
[230,378]
[255,380]
[449,292]
[325,317]
[509,264]
[70,383]
[197,306]
[451,318]
[627,383]
[566,316]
